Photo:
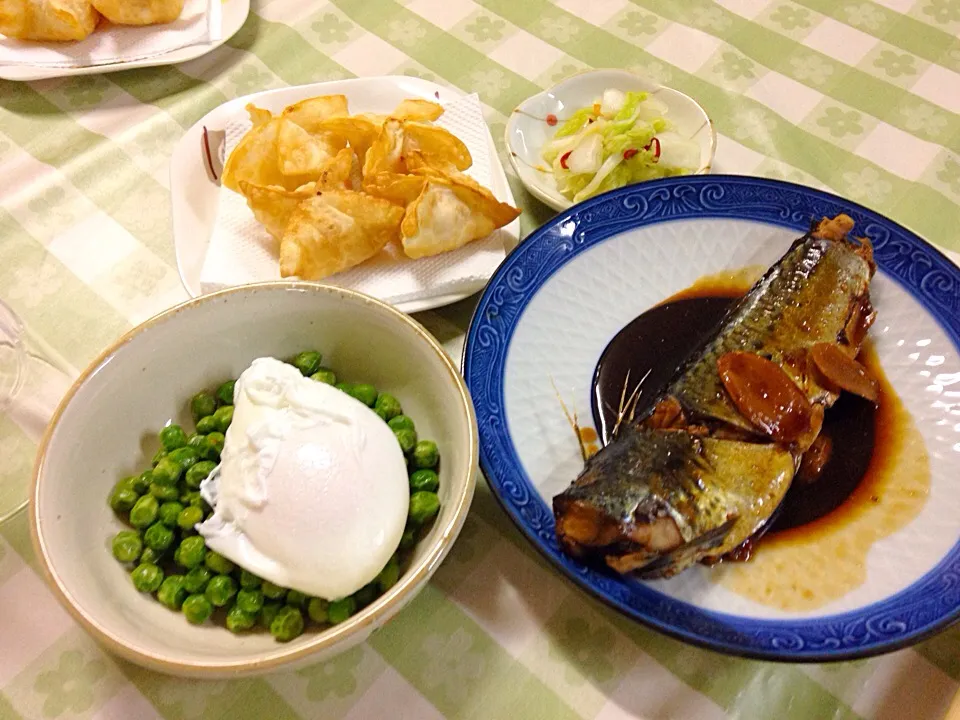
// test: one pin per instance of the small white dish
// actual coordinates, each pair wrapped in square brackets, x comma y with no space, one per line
[106,427]
[194,193]
[527,129]
[233,14]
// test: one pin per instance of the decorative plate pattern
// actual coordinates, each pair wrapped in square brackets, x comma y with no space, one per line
[927,605]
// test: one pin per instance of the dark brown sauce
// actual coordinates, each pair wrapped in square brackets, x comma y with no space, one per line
[655,344]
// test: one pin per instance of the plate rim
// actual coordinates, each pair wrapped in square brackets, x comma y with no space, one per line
[183,148]
[28,73]
[789,646]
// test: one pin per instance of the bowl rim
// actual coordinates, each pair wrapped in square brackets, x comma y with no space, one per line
[374,615]
[537,190]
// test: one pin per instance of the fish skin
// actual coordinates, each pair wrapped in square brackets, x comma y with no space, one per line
[718,492]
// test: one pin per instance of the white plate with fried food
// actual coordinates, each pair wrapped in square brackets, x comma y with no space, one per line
[390,186]
[42,39]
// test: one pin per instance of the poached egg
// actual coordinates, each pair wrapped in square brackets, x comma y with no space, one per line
[312,491]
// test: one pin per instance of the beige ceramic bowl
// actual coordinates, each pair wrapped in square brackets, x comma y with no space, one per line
[106,429]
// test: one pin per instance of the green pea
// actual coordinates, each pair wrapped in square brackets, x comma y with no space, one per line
[198,473]
[192,552]
[185,457]
[296,598]
[167,472]
[271,591]
[218,563]
[366,595]
[164,492]
[367,394]
[225,392]
[268,613]
[122,499]
[144,511]
[307,362]
[407,439]
[401,422]
[344,387]
[387,406]
[220,590]
[389,575]
[250,601]
[207,425]
[173,437]
[223,417]
[158,536]
[169,512]
[426,454]
[423,506]
[189,517]
[239,620]
[147,577]
[195,499]
[127,546]
[424,479]
[325,375]
[141,483]
[160,454]
[202,405]
[171,592]
[287,624]
[195,581]
[197,609]
[340,610]
[215,442]
[317,610]
[150,556]
[249,581]
[409,538]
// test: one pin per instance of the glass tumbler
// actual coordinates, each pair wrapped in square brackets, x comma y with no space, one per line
[31,388]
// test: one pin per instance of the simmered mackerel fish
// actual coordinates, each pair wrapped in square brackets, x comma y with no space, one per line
[709,465]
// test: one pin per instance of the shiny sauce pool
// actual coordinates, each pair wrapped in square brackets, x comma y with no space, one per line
[654,345]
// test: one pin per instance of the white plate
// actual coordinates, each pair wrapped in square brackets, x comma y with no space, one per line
[234,15]
[527,130]
[554,304]
[194,194]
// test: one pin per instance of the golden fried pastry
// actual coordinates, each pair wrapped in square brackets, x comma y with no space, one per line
[47,20]
[334,231]
[139,12]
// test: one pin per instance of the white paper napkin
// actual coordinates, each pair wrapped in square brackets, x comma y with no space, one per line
[241,251]
[199,23]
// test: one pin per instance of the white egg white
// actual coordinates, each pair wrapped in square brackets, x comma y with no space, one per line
[312,490]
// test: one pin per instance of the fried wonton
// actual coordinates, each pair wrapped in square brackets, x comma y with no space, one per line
[338,172]
[139,12]
[359,131]
[258,116]
[449,213]
[254,160]
[422,110]
[47,20]
[272,206]
[397,188]
[310,113]
[302,153]
[437,146]
[334,231]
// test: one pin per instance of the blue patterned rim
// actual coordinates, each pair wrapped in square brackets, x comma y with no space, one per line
[927,606]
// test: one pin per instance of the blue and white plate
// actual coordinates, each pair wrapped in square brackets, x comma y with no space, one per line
[555,303]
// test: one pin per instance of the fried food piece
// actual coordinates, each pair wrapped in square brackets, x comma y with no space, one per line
[139,12]
[334,231]
[302,153]
[417,109]
[47,20]
[258,116]
[273,206]
[449,213]
[254,160]
[438,148]
[359,131]
[398,189]
[310,113]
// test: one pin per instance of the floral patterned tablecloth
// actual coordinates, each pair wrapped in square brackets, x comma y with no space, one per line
[858,96]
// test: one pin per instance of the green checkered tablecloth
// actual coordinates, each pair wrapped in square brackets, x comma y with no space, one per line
[857,96]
